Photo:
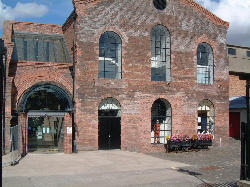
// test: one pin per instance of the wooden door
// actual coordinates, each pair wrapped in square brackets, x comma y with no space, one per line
[234,124]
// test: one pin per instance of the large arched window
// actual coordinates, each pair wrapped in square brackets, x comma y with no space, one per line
[110,56]
[206,117]
[45,97]
[160,49]
[205,64]
[161,123]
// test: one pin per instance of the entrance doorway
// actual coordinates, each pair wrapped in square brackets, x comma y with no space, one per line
[45,134]
[109,130]
[234,124]
[46,107]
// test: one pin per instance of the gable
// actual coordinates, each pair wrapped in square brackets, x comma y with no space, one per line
[82,6]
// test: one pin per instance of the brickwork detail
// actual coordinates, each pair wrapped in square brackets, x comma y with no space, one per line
[237,86]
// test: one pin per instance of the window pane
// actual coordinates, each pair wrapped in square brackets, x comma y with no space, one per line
[110,56]
[161,121]
[231,51]
[248,53]
[205,64]
[160,50]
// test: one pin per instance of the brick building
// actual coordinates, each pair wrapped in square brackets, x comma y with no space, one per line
[133,64]
[239,66]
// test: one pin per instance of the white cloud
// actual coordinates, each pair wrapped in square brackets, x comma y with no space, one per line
[237,12]
[21,10]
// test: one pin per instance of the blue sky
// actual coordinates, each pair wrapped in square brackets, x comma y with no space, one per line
[43,11]
[237,12]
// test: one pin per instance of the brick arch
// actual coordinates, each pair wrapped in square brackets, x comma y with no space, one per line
[123,37]
[23,84]
[204,39]
[37,85]
[105,97]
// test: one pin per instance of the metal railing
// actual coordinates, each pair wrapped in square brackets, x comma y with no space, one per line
[245,152]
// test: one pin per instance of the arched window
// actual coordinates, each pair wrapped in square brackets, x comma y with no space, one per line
[45,97]
[205,64]
[161,123]
[110,56]
[206,117]
[160,49]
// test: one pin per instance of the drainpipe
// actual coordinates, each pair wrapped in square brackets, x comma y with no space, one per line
[74,128]
[4,58]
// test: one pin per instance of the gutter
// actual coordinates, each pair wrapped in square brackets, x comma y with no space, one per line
[74,127]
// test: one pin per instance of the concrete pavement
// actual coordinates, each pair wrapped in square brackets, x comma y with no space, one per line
[97,168]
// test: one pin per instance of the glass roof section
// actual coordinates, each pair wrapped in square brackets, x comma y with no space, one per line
[40,47]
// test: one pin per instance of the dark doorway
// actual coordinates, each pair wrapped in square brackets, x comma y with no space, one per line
[234,124]
[46,134]
[109,133]
[203,122]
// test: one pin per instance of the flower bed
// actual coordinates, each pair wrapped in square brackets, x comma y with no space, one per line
[183,142]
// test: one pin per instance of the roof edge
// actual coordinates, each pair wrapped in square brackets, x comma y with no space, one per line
[238,46]
[209,14]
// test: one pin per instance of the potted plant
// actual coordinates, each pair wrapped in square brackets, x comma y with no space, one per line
[173,143]
[202,140]
[178,142]
[185,142]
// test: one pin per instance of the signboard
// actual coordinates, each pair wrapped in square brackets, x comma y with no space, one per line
[69,130]
[39,135]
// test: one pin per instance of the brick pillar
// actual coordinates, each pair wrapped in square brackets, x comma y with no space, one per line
[23,133]
[8,115]
[67,133]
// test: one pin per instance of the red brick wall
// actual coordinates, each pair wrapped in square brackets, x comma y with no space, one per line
[237,87]
[68,31]
[67,135]
[22,75]
[133,21]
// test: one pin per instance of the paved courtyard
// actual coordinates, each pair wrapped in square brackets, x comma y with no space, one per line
[97,168]
[219,165]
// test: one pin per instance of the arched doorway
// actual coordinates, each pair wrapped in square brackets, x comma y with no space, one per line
[161,122]
[109,131]
[205,117]
[45,106]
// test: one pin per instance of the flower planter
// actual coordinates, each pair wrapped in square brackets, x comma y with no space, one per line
[201,143]
[205,143]
[178,145]
[173,145]
[186,144]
